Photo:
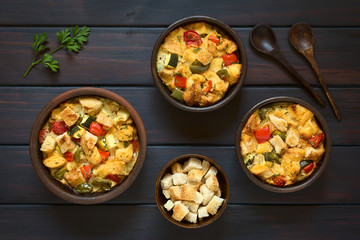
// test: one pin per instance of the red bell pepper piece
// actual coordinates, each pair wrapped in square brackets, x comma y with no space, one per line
[214,39]
[69,156]
[279,181]
[97,129]
[43,134]
[230,59]
[208,87]
[308,168]
[180,81]
[59,127]
[104,155]
[135,144]
[86,171]
[316,140]
[262,134]
[114,178]
[192,38]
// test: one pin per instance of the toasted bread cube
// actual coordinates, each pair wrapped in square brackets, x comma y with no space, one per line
[207,194]
[214,205]
[124,154]
[191,217]
[173,46]
[188,192]
[166,181]
[65,142]
[175,193]
[69,116]
[278,143]
[205,166]
[91,105]
[125,133]
[192,163]
[196,185]
[212,171]
[88,141]
[212,183]
[95,157]
[195,175]
[176,168]
[193,206]
[179,178]
[314,153]
[106,121]
[279,123]
[202,213]
[199,198]
[166,193]
[204,57]
[111,166]
[74,177]
[169,205]
[179,212]
[218,192]
[54,161]
[48,145]
[292,138]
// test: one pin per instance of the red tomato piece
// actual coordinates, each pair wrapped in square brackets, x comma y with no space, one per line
[192,38]
[180,81]
[96,129]
[279,181]
[214,39]
[316,140]
[104,155]
[230,59]
[43,134]
[86,172]
[59,127]
[262,134]
[114,178]
[208,87]
[69,156]
[135,144]
[308,168]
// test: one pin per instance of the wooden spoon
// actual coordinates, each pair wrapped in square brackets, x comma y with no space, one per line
[302,39]
[263,39]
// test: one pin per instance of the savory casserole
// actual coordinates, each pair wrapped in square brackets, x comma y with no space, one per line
[282,143]
[90,144]
[198,63]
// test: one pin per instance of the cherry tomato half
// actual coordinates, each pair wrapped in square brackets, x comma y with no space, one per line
[192,38]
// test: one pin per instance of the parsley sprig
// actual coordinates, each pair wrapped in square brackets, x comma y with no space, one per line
[72,42]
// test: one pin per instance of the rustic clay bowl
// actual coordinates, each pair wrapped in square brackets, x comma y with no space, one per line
[230,94]
[58,188]
[319,169]
[161,200]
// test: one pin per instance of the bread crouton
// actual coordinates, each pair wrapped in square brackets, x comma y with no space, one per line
[188,192]
[125,133]
[212,171]
[204,57]
[264,147]
[94,157]
[74,177]
[179,212]
[166,181]
[195,175]
[124,154]
[192,206]
[278,143]
[173,46]
[262,171]
[212,183]
[175,193]
[65,142]
[48,145]
[234,72]
[214,205]
[279,123]
[111,166]
[88,141]
[69,116]
[169,205]
[207,194]
[191,217]
[91,105]
[179,178]
[192,94]
[176,168]
[292,137]
[314,154]
[54,161]
[106,121]
[199,198]
[205,166]
[202,213]
[192,163]
[166,193]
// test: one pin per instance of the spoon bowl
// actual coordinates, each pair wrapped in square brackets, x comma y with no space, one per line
[263,39]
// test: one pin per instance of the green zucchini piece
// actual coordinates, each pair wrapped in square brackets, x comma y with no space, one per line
[102,144]
[87,120]
[173,60]
[59,174]
[102,184]
[76,131]
[84,188]
[197,67]
[249,159]
[178,94]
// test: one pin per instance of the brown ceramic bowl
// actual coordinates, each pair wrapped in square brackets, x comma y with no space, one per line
[57,187]
[315,174]
[231,92]
[161,200]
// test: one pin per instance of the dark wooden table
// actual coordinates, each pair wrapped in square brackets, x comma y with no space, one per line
[117,57]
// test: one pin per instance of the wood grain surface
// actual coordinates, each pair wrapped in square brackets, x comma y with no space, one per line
[117,58]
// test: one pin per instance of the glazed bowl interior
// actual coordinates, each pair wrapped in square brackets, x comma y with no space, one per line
[321,165]
[57,187]
[161,200]
[231,92]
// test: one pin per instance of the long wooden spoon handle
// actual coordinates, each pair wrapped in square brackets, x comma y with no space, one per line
[324,86]
[292,70]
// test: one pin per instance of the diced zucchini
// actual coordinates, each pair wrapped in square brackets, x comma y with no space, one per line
[173,61]
[122,115]
[77,132]
[102,144]
[87,120]
[111,141]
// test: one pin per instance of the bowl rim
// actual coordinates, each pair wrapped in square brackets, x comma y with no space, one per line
[42,171]
[301,184]
[158,191]
[231,92]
